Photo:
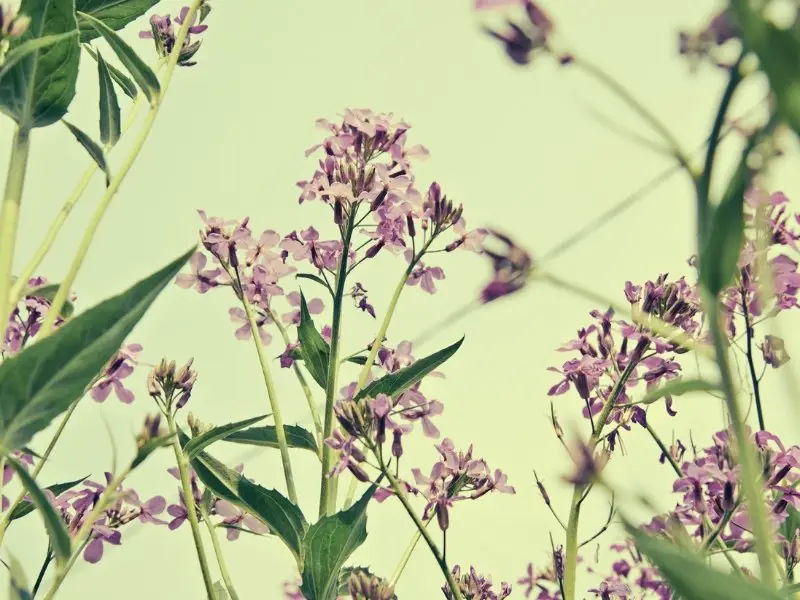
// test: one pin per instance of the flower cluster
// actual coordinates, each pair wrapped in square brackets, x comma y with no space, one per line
[162,32]
[706,43]
[474,586]
[171,386]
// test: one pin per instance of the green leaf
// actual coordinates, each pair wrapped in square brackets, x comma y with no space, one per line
[48,292]
[150,447]
[313,347]
[790,590]
[396,383]
[220,593]
[18,582]
[282,516]
[688,575]
[37,90]
[315,278]
[678,387]
[110,128]
[25,48]
[25,507]
[115,14]
[123,81]
[296,437]
[200,442]
[92,147]
[329,543]
[59,538]
[45,379]
[141,73]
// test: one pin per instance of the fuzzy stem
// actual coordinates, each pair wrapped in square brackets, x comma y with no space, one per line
[223,566]
[9,216]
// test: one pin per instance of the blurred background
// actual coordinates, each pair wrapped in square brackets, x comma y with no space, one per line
[525,152]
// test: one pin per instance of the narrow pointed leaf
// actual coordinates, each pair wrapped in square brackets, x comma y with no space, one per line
[199,443]
[313,347]
[18,583]
[267,436]
[59,538]
[283,517]
[92,147]
[150,447]
[689,576]
[110,127]
[315,278]
[396,383]
[48,292]
[125,83]
[25,507]
[116,14]
[37,90]
[45,379]
[329,543]
[143,75]
[678,387]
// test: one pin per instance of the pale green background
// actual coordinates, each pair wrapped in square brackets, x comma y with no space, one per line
[517,146]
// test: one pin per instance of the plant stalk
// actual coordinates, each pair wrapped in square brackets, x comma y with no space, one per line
[223,566]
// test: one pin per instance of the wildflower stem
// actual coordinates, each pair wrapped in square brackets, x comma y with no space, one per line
[48,558]
[751,363]
[116,181]
[9,215]
[406,556]
[328,485]
[571,542]
[223,566]
[398,490]
[191,507]
[751,478]
[55,227]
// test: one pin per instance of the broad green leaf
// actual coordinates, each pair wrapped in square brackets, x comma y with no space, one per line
[313,347]
[296,437]
[778,52]
[396,383]
[25,48]
[48,292]
[123,81]
[59,538]
[39,88]
[678,387]
[25,507]
[220,593]
[116,14]
[45,379]
[92,147]
[17,582]
[143,75]
[150,447]
[200,442]
[110,128]
[688,574]
[282,516]
[328,544]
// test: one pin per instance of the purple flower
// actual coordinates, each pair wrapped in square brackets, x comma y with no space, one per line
[239,317]
[101,534]
[202,279]
[163,33]
[774,351]
[120,367]
[475,586]
[521,41]
[234,518]
[314,305]
[425,277]
[511,269]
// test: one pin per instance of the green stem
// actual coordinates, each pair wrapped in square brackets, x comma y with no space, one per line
[400,493]
[328,485]
[751,478]
[280,432]
[9,215]
[191,507]
[223,567]
[571,542]
[406,556]
[55,227]
[116,181]
[751,363]
[40,577]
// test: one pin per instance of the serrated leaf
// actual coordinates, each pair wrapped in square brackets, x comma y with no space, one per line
[45,379]
[394,384]
[18,583]
[37,90]
[267,436]
[313,347]
[678,387]
[125,83]
[56,530]
[689,575]
[150,447]
[329,543]
[143,75]
[24,508]
[110,128]
[116,14]
[48,292]
[93,148]
[200,442]
[283,517]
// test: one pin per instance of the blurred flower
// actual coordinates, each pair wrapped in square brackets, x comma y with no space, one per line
[511,269]
[774,351]
[12,24]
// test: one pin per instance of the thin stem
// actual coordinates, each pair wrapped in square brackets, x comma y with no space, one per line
[191,507]
[751,477]
[407,556]
[9,215]
[116,181]
[751,363]
[328,485]
[223,567]
[48,558]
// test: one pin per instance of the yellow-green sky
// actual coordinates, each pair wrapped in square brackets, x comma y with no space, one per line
[520,149]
